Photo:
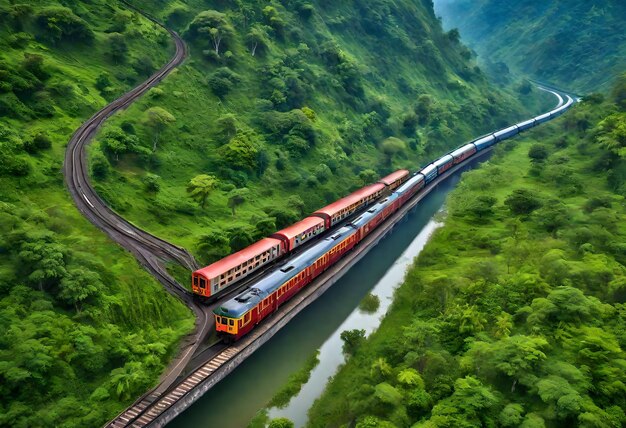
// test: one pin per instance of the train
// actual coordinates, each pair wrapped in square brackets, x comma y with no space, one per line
[209,282]
[238,316]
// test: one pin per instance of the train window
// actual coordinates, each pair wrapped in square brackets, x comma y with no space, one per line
[195,281]
[231,322]
[202,283]
[238,275]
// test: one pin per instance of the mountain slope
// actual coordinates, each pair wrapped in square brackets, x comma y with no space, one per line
[294,103]
[577,44]
[83,329]
[514,312]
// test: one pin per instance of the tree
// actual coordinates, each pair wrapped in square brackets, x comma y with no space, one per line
[60,24]
[471,404]
[226,127]
[368,176]
[257,39]
[103,82]
[151,183]
[411,378]
[157,118]
[237,197]
[213,24]
[522,201]
[213,246]
[79,286]
[118,49]
[391,146]
[380,368]
[100,168]
[281,423]
[115,142]
[241,152]
[128,380]
[296,202]
[265,227]
[43,258]
[200,187]
[482,205]
[352,339]
[240,237]
[538,152]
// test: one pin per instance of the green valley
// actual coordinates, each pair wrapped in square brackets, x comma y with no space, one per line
[286,107]
[576,44]
[514,313]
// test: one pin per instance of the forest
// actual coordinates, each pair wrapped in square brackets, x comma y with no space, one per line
[83,329]
[285,107]
[574,44]
[515,312]
[281,106]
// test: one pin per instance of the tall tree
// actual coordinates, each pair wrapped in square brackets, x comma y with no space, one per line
[237,197]
[157,118]
[200,187]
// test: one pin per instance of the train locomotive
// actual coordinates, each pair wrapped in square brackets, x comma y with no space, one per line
[236,317]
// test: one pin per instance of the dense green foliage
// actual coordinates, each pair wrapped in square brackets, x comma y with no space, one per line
[576,44]
[286,106]
[514,314]
[83,329]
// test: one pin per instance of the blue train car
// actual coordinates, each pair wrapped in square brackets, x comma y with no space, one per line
[542,118]
[523,126]
[483,143]
[505,133]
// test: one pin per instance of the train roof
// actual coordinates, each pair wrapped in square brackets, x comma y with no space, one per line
[365,217]
[526,122]
[300,227]
[394,176]
[243,302]
[442,160]
[428,169]
[410,183]
[486,139]
[505,130]
[356,196]
[463,149]
[238,258]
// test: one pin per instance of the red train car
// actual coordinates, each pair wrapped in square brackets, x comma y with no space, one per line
[299,233]
[212,279]
[395,179]
[337,211]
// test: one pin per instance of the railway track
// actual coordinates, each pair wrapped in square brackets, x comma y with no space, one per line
[150,250]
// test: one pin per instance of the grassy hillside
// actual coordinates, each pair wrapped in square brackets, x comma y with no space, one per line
[285,106]
[514,313]
[576,44]
[83,329]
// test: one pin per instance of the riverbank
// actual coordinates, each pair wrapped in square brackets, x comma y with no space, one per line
[516,306]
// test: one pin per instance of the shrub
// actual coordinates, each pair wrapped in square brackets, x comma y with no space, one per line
[60,24]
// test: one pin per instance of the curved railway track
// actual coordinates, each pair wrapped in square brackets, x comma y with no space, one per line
[151,251]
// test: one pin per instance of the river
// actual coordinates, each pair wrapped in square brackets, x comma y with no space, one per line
[233,402]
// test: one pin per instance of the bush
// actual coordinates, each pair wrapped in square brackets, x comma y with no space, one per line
[522,201]
[41,141]
[370,303]
[60,24]
[100,168]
